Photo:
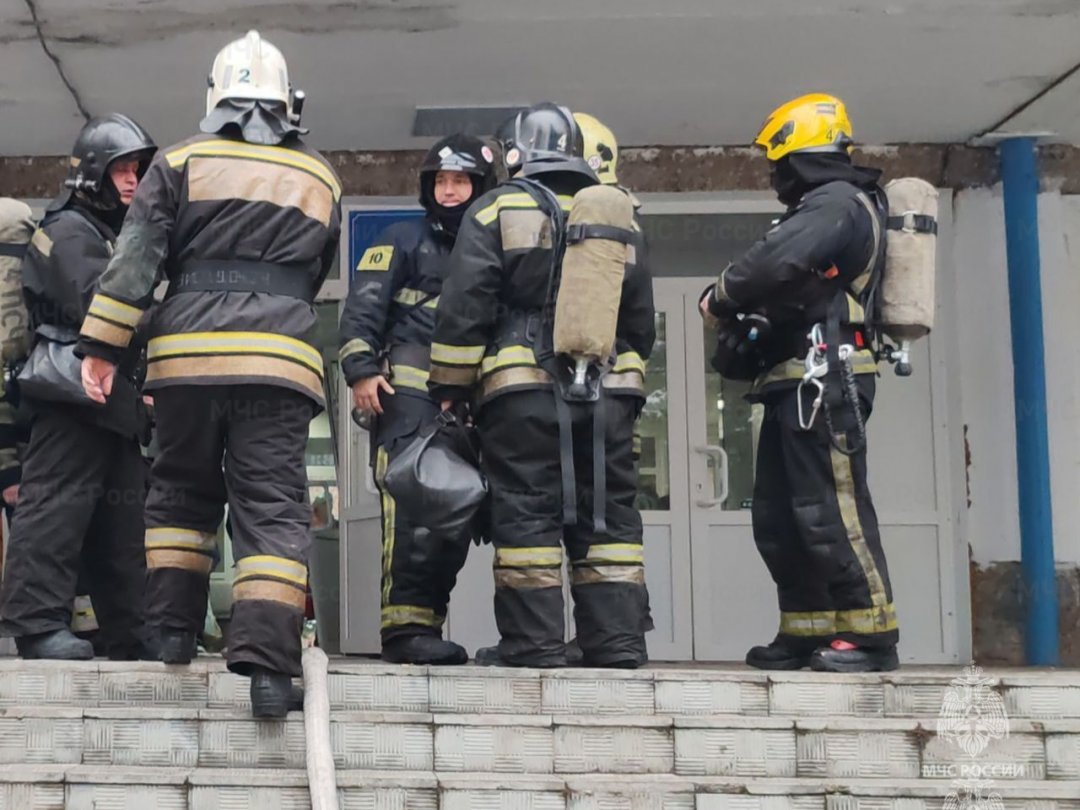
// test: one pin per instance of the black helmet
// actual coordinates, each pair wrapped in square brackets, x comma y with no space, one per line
[541,139]
[101,142]
[456,153]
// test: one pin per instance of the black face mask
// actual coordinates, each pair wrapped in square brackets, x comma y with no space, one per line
[794,175]
[449,218]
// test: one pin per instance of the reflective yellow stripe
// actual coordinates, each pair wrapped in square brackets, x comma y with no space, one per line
[856,313]
[42,242]
[534,557]
[628,361]
[234,343]
[453,375]
[410,297]
[588,575]
[510,377]
[389,527]
[456,355]
[180,538]
[844,482]
[488,214]
[614,553]
[397,615]
[509,356]
[410,377]
[265,565]
[116,311]
[720,288]
[271,591]
[881,619]
[195,561]
[809,623]
[528,578]
[862,362]
[859,284]
[273,154]
[354,346]
[864,621]
[106,331]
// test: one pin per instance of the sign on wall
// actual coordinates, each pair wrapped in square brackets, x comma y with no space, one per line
[366,225]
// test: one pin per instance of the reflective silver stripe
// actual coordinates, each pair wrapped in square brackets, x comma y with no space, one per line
[354,346]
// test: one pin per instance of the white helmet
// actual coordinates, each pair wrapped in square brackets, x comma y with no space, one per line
[249,68]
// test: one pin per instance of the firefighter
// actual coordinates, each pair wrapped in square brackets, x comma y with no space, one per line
[812,277]
[385,355]
[492,315]
[243,221]
[80,503]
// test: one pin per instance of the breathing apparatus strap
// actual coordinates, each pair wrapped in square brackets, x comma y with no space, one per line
[546,359]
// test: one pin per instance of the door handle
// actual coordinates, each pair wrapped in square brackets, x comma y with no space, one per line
[720,474]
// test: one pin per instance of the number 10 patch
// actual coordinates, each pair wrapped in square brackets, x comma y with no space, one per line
[376,258]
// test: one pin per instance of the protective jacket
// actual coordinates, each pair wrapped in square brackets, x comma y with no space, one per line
[821,254]
[389,317]
[492,304]
[245,235]
[67,255]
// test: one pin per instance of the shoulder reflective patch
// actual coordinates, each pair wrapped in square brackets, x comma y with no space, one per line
[376,258]
[42,242]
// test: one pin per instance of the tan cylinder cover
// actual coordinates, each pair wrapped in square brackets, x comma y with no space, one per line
[907,286]
[587,304]
[16,228]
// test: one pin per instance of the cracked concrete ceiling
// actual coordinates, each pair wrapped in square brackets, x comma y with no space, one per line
[660,72]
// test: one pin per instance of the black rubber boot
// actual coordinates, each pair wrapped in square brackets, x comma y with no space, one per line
[177,646]
[859,659]
[423,649]
[489,657]
[574,656]
[273,694]
[778,655]
[59,645]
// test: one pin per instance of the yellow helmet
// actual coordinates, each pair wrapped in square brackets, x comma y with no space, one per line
[601,148]
[812,123]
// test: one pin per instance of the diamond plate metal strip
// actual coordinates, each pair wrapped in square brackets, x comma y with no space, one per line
[41,740]
[144,742]
[498,749]
[857,754]
[735,752]
[606,749]
[599,696]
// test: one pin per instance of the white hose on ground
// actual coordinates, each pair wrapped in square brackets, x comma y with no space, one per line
[322,781]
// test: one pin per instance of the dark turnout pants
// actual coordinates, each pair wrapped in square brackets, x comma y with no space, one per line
[243,444]
[520,439]
[816,529]
[419,567]
[80,508]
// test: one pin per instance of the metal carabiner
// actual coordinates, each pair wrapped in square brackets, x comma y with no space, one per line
[804,423]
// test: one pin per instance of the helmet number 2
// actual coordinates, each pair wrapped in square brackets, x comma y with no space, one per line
[245,76]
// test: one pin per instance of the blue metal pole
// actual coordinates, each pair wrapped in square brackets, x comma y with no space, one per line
[1020,178]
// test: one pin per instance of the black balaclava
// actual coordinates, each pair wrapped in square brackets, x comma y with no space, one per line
[463,153]
[794,175]
[105,204]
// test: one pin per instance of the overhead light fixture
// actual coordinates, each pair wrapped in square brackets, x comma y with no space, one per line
[479,121]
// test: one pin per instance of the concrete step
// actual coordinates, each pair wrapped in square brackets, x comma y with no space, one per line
[728,690]
[687,745]
[87,788]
